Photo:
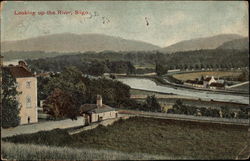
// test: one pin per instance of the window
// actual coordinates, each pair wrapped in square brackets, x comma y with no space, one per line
[28,84]
[28,101]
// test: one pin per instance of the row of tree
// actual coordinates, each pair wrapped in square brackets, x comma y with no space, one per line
[91,67]
[225,112]
[198,59]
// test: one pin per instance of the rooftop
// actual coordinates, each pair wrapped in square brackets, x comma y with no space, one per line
[89,108]
[217,84]
[19,71]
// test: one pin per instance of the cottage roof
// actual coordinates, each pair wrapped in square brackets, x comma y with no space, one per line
[191,81]
[87,107]
[200,82]
[195,82]
[104,108]
[208,79]
[217,84]
[19,71]
[92,108]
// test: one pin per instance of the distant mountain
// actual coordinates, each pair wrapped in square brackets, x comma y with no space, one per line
[68,42]
[239,44]
[201,43]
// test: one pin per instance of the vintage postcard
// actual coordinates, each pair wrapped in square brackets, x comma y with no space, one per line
[125,80]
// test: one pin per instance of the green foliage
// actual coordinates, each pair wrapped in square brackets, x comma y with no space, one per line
[151,104]
[160,69]
[179,108]
[114,93]
[97,68]
[91,66]
[81,90]
[10,111]
[67,93]
[70,81]
[60,104]
[41,93]
[244,76]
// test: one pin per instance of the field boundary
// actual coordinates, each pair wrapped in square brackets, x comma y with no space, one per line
[243,122]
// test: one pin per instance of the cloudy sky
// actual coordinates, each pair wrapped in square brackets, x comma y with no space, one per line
[161,23]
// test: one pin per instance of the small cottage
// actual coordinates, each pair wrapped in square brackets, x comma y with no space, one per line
[208,80]
[97,112]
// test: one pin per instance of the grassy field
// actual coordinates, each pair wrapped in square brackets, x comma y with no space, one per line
[169,138]
[192,76]
[43,152]
[244,87]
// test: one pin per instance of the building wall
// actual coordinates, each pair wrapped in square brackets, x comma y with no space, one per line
[212,80]
[27,99]
[104,115]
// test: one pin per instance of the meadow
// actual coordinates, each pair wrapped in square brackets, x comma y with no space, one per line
[194,75]
[154,137]
[43,152]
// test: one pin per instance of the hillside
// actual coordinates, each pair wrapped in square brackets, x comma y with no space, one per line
[68,42]
[239,44]
[201,43]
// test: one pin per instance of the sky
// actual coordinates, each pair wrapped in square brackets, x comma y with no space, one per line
[161,23]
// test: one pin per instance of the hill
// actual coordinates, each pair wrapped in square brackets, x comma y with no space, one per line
[68,42]
[239,44]
[201,43]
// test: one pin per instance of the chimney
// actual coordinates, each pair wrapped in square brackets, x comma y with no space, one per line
[99,101]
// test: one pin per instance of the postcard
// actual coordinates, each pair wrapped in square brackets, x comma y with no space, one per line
[124,80]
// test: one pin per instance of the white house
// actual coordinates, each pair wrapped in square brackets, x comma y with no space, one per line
[97,112]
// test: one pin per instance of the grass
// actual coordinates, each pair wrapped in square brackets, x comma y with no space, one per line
[173,139]
[244,87]
[43,152]
[194,75]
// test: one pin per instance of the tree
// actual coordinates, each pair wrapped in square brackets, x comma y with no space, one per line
[244,76]
[152,104]
[10,110]
[41,93]
[159,69]
[97,68]
[60,104]
[69,81]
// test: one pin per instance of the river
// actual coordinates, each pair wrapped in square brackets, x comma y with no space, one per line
[149,85]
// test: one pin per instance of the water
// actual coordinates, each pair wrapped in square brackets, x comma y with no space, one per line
[149,85]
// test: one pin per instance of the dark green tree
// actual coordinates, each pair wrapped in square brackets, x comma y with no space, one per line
[159,69]
[60,104]
[69,81]
[10,110]
[152,104]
